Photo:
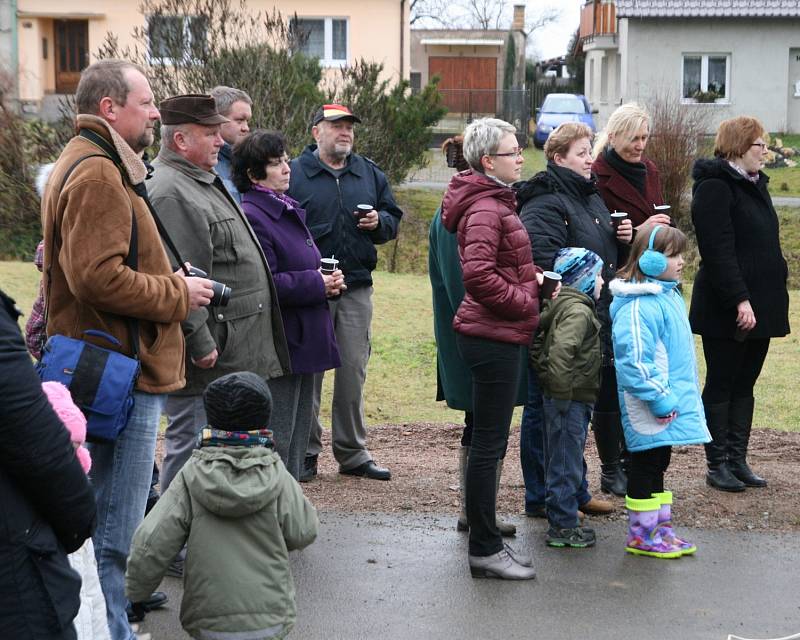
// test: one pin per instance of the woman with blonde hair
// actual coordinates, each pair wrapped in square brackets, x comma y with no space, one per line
[739,300]
[561,207]
[627,180]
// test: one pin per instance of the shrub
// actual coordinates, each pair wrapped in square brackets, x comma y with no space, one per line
[677,139]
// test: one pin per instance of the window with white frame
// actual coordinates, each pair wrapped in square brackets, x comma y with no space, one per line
[706,77]
[323,38]
[173,37]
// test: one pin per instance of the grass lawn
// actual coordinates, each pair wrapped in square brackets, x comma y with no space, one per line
[401,382]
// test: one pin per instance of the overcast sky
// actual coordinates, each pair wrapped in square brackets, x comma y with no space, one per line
[551,41]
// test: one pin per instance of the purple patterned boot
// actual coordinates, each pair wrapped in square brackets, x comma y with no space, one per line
[665,524]
[644,538]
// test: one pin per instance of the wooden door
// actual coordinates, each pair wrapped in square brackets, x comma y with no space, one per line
[468,85]
[72,53]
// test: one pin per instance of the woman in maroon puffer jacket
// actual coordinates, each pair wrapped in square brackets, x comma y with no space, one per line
[494,323]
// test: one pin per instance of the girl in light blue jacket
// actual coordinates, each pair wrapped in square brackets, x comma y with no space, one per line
[659,393]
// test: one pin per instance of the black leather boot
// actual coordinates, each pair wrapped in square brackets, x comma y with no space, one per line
[719,475]
[608,438]
[740,421]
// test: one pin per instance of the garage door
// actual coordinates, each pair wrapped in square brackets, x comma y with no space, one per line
[468,85]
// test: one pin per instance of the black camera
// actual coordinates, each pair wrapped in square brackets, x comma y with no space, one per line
[222,292]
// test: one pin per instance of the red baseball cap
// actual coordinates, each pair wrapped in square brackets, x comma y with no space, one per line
[332,112]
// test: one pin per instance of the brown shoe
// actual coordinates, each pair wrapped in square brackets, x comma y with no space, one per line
[597,507]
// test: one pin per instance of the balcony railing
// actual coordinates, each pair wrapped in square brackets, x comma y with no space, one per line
[598,19]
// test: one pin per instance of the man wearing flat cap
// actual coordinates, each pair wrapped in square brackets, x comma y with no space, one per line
[211,232]
[330,182]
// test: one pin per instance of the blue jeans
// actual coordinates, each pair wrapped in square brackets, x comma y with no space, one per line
[121,473]
[565,438]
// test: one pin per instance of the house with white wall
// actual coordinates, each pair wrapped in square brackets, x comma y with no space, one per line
[733,57]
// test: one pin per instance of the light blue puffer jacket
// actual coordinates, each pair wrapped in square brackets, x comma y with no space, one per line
[656,366]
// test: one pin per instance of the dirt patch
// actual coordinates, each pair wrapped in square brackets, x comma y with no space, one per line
[423,459]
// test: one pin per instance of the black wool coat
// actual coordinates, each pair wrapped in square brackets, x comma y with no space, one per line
[47,508]
[740,253]
[560,208]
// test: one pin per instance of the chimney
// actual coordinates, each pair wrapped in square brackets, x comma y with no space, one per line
[519,18]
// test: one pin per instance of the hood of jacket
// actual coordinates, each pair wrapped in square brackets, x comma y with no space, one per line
[623,289]
[467,188]
[711,168]
[555,179]
[233,482]
[568,295]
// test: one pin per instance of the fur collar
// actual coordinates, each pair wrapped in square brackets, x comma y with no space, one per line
[131,161]
[629,289]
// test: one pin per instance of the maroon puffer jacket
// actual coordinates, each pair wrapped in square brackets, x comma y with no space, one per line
[502,293]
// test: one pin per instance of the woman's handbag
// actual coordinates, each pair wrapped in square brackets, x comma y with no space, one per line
[101,381]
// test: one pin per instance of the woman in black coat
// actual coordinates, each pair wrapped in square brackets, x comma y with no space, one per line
[561,207]
[47,508]
[739,299]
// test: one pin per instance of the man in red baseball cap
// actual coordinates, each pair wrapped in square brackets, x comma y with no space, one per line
[349,209]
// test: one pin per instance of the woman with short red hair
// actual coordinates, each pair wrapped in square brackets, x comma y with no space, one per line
[739,300]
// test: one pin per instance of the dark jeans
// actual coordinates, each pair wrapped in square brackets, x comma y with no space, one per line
[531,450]
[565,438]
[732,368]
[495,376]
[646,476]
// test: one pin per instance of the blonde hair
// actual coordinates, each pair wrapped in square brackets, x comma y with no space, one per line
[670,241]
[626,120]
[562,138]
[736,135]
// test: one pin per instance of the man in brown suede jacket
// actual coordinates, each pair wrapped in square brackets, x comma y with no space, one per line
[87,223]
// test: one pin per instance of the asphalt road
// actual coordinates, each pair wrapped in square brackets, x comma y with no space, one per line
[386,577]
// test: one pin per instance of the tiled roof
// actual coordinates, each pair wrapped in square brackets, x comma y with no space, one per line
[708,8]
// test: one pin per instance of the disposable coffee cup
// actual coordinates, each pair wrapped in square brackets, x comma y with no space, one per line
[363,209]
[662,208]
[551,280]
[329,265]
[617,217]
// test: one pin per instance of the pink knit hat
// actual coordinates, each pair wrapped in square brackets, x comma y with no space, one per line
[71,416]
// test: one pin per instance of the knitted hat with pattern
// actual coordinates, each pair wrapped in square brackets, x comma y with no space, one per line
[578,268]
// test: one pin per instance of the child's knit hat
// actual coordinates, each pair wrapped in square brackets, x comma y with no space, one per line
[239,401]
[578,268]
[238,408]
[75,422]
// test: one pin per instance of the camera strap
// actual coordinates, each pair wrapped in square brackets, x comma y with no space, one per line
[141,191]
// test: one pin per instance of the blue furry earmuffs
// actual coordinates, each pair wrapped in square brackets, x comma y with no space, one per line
[653,263]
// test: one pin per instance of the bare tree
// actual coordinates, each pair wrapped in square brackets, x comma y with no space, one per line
[479,14]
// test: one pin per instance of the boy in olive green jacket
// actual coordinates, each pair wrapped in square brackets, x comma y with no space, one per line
[239,512]
[566,355]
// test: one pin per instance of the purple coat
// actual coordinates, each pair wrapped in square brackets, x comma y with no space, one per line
[294,259]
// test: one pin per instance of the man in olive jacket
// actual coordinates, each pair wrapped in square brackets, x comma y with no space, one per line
[211,233]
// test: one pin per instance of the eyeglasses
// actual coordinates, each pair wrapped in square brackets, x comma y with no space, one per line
[515,154]
[763,145]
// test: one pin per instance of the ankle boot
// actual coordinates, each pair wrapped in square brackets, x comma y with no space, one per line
[505,528]
[608,438]
[644,538]
[740,421]
[719,475]
[665,524]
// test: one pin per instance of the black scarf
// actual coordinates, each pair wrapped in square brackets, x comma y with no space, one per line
[633,172]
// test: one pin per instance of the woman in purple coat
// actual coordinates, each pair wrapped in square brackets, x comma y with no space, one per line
[261,174]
